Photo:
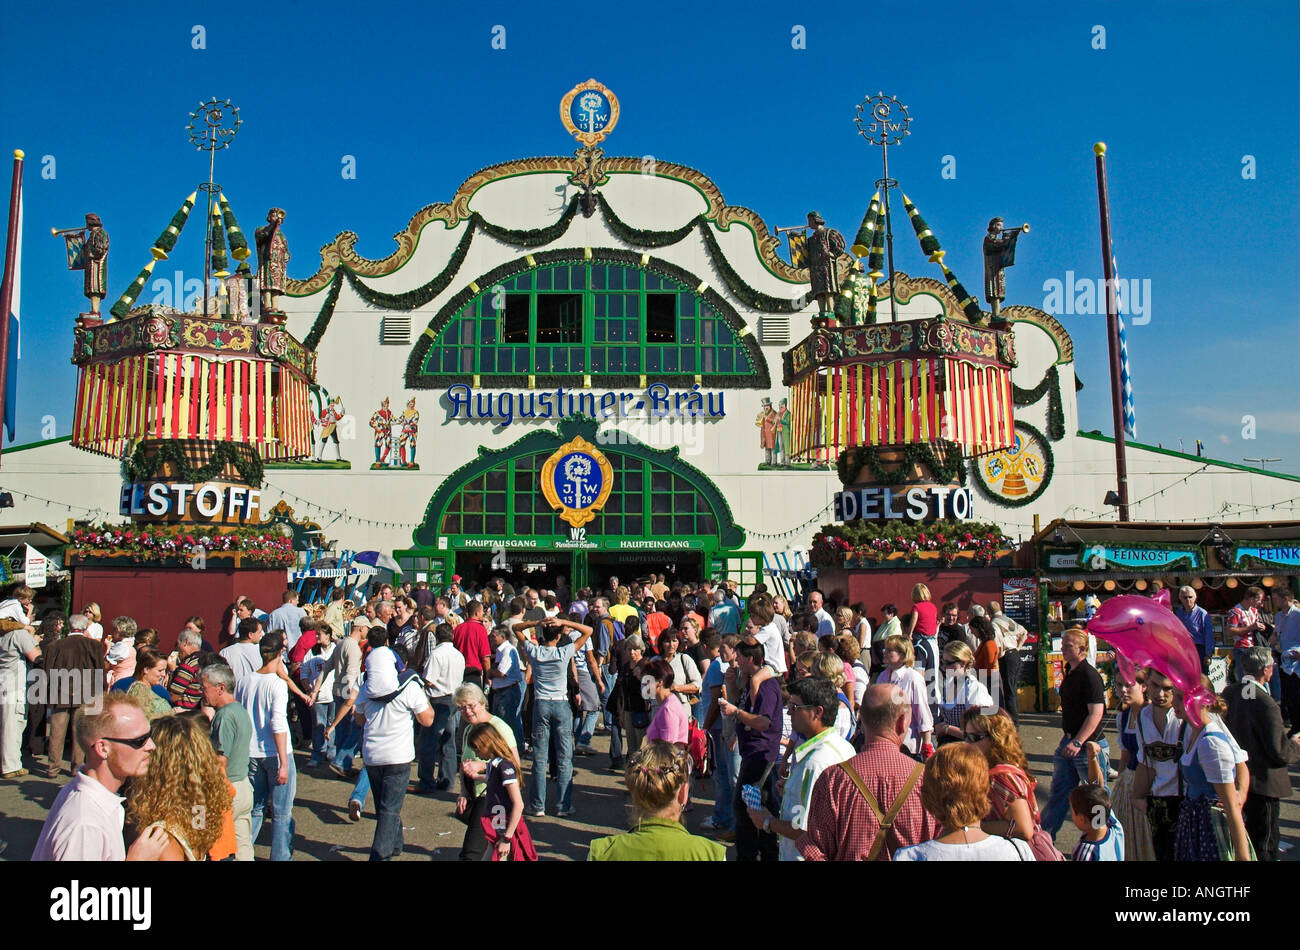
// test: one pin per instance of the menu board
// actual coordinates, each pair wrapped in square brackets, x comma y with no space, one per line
[1020,603]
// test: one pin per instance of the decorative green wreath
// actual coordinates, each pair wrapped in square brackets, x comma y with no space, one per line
[1001,500]
[143,462]
[1050,384]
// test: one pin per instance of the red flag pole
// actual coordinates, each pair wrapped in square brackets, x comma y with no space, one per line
[1112,332]
[7,288]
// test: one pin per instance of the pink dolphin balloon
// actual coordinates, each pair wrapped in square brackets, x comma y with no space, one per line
[1144,633]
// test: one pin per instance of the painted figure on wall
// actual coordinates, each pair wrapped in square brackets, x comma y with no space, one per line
[330,417]
[784,427]
[767,429]
[409,428]
[95,257]
[382,424]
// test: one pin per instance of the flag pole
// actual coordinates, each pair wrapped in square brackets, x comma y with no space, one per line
[7,288]
[1112,332]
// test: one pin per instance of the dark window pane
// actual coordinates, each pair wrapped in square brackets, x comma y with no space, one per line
[496,524]
[515,324]
[726,360]
[451,524]
[523,524]
[561,278]
[688,361]
[559,318]
[683,524]
[661,525]
[661,318]
[598,277]
[487,360]
[634,481]
[686,331]
[473,524]
[705,524]
[661,504]
[653,360]
[578,277]
[670,359]
[496,480]
[543,359]
[632,362]
[661,481]
[634,524]
[544,279]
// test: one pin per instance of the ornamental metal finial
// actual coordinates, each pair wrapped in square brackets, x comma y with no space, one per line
[210,129]
[884,120]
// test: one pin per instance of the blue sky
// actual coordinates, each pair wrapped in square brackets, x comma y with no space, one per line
[1014,92]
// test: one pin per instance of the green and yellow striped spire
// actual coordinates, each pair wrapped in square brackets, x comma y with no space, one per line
[167,240]
[870,224]
[123,305]
[929,243]
[876,259]
[969,305]
[239,248]
[220,264]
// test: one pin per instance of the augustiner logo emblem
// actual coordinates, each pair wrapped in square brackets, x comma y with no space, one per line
[589,111]
[577,480]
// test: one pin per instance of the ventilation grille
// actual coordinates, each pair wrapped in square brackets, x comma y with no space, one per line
[775,330]
[396,331]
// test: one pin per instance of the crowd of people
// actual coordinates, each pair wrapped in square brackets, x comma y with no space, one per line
[807,732]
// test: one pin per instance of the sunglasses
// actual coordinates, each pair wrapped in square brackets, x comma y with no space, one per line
[974,736]
[136,743]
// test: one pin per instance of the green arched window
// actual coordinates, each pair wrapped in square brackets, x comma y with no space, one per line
[572,318]
[647,501]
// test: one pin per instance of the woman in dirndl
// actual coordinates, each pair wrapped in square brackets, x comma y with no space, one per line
[1210,826]
[1137,831]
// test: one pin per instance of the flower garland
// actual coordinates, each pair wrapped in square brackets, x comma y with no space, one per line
[162,542]
[144,462]
[854,459]
[1002,500]
[873,542]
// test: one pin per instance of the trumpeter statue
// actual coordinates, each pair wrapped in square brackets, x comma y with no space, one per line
[999,254]
[822,249]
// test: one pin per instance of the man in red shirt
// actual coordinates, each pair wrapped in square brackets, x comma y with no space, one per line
[1245,626]
[842,825]
[471,639]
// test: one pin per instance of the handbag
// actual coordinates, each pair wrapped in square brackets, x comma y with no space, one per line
[697,746]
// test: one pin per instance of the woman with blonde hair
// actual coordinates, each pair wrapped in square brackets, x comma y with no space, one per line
[657,779]
[899,660]
[923,629]
[185,780]
[955,789]
[831,667]
[1013,806]
[95,629]
[959,691]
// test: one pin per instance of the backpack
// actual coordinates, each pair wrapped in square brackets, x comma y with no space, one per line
[612,630]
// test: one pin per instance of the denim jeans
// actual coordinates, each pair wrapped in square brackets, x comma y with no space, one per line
[389,784]
[346,739]
[726,765]
[437,743]
[507,703]
[361,790]
[1068,772]
[322,749]
[262,773]
[583,728]
[552,716]
[611,721]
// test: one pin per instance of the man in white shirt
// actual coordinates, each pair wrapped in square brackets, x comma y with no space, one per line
[243,656]
[317,674]
[443,672]
[507,682]
[813,708]
[85,821]
[347,680]
[761,612]
[18,648]
[388,706]
[270,764]
[825,622]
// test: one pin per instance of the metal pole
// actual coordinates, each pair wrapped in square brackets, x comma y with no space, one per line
[1112,332]
[7,287]
[889,240]
[207,228]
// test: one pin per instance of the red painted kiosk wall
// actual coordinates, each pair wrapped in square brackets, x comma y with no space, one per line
[962,586]
[164,598]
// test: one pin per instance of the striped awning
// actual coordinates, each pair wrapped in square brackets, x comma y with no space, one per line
[360,570]
[168,395]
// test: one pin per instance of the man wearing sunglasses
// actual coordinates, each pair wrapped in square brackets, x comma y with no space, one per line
[85,821]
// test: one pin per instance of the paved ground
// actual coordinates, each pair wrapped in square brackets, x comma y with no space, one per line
[432,833]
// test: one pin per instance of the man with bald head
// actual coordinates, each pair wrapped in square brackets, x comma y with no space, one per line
[849,800]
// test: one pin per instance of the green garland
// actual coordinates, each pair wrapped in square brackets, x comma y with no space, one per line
[143,463]
[1002,500]
[123,305]
[852,460]
[535,237]
[641,238]
[1050,384]
[871,542]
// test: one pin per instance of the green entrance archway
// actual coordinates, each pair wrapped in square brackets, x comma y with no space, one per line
[659,506]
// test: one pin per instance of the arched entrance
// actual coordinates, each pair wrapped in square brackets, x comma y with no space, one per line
[491,517]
